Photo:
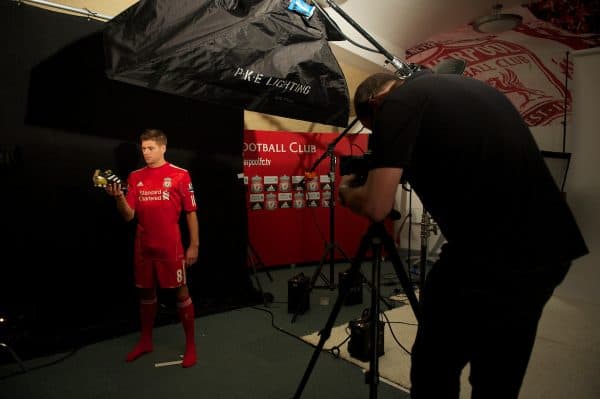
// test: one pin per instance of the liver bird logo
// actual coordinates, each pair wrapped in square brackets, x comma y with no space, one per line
[509,84]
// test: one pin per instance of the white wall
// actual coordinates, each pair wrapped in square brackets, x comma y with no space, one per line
[583,180]
[550,138]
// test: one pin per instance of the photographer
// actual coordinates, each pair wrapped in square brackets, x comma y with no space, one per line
[511,237]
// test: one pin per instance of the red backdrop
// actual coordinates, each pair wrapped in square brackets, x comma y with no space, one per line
[288,214]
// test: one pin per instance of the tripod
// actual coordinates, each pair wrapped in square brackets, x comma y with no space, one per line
[376,237]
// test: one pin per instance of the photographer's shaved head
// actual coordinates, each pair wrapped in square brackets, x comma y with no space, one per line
[367,91]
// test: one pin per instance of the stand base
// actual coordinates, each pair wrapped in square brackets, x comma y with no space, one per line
[329,252]
[14,355]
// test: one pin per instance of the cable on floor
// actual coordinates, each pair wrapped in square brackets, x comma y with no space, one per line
[334,350]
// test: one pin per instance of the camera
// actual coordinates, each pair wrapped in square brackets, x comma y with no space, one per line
[358,165]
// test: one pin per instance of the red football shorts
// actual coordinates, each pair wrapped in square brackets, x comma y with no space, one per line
[169,272]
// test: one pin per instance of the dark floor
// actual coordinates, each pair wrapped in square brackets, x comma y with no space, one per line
[251,352]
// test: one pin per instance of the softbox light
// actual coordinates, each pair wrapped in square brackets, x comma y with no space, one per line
[252,54]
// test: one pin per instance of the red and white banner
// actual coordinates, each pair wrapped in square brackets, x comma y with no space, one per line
[288,213]
[528,64]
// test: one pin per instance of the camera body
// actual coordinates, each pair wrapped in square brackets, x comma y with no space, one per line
[358,165]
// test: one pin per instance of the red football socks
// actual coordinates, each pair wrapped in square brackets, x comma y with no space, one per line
[147,315]
[185,309]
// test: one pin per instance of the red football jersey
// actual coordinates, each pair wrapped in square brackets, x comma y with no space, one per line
[158,195]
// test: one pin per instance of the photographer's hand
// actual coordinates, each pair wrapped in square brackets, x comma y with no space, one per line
[375,198]
[346,183]
[348,180]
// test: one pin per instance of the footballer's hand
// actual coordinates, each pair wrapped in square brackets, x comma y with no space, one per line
[191,256]
[114,190]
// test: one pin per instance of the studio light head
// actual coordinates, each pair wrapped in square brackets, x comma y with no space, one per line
[302,8]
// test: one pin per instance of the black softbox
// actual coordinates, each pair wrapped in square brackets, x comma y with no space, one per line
[251,54]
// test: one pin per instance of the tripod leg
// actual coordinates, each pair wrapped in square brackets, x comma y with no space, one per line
[325,333]
[329,249]
[382,299]
[313,279]
[388,244]
[252,263]
[342,252]
[329,252]
[252,252]
[318,272]
[373,374]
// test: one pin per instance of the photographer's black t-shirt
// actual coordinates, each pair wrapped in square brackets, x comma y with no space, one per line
[473,162]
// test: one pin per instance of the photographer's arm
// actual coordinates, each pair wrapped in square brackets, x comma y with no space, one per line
[375,198]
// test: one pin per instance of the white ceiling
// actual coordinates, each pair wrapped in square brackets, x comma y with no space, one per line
[395,24]
[400,24]
[405,23]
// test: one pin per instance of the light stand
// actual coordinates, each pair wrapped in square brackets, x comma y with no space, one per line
[427,227]
[402,70]
[331,246]
[375,237]
[409,241]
